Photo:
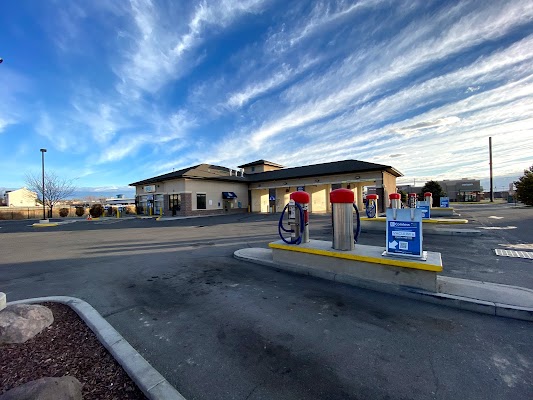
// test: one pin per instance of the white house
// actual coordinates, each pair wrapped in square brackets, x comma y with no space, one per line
[20,198]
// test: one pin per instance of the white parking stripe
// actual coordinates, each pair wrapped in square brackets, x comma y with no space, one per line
[515,254]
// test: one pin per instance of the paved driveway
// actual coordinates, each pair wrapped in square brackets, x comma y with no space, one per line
[219,328]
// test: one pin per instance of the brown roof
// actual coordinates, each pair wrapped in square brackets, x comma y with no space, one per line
[260,162]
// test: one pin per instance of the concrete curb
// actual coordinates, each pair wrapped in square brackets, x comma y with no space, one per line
[2,301]
[152,383]
[45,225]
[463,303]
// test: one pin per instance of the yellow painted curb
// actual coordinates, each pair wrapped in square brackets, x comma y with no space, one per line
[445,221]
[44,225]
[373,260]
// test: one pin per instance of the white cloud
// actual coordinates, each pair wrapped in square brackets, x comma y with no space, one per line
[103,119]
[345,87]
[471,89]
[126,147]
[238,99]
[324,15]
[14,86]
[160,54]
[46,128]
[327,83]
[4,122]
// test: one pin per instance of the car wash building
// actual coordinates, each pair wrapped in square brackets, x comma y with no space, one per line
[259,186]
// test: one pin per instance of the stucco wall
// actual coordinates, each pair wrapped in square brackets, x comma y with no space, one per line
[282,198]
[319,188]
[319,198]
[189,188]
[21,198]
[260,201]
[389,181]
[213,191]
[171,187]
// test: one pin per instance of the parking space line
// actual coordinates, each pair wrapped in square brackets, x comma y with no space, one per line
[514,253]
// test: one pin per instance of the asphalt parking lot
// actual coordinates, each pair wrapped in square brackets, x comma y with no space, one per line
[219,328]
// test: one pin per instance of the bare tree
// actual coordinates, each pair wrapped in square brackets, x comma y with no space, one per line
[56,189]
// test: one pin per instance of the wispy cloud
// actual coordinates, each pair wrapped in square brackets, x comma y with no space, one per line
[323,16]
[160,54]
[179,83]
[46,128]
[344,88]
[124,148]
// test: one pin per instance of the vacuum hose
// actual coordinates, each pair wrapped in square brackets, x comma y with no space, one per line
[358,219]
[282,228]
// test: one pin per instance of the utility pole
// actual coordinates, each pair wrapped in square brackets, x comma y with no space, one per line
[490,163]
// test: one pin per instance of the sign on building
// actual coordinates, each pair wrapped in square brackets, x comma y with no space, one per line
[445,202]
[149,189]
[404,232]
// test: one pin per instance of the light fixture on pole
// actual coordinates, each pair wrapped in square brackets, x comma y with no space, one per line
[42,157]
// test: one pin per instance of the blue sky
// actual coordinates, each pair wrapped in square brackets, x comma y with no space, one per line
[119,91]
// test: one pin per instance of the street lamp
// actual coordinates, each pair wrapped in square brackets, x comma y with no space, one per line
[42,156]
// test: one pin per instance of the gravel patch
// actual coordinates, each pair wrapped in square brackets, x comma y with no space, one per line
[67,347]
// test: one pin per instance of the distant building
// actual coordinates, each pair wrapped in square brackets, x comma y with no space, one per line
[409,189]
[119,200]
[20,198]
[457,190]
[463,189]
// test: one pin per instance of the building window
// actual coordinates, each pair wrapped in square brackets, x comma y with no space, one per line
[253,169]
[200,202]
[174,202]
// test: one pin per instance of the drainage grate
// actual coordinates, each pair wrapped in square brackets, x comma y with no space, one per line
[514,253]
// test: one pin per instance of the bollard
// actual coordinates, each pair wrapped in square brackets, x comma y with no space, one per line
[428,196]
[395,200]
[342,218]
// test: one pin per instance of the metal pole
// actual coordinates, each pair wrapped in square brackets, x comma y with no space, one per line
[491,178]
[42,157]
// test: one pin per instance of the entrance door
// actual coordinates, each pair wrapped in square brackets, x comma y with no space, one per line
[227,205]
[174,203]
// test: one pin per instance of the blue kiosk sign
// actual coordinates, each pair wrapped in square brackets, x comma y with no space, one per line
[404,233]
[425,208]
[445,202]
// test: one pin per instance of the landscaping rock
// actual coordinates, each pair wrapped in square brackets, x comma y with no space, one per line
[21,322]
[64,388]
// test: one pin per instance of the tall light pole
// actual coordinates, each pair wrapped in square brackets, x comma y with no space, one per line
[42,157]
[490,164]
